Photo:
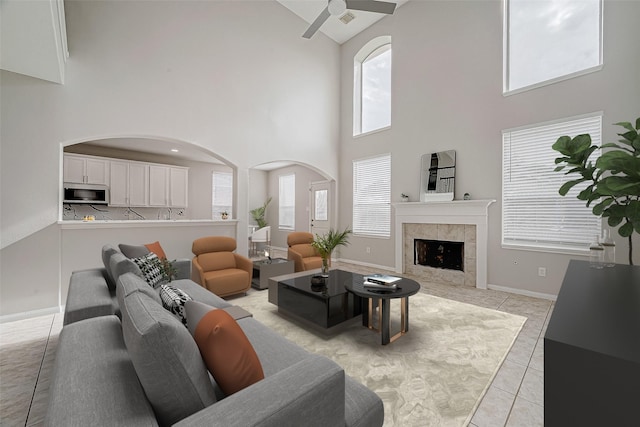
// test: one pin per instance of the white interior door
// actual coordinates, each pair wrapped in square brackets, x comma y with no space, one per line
[321,207]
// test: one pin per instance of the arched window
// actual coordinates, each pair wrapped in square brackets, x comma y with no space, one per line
[372,86]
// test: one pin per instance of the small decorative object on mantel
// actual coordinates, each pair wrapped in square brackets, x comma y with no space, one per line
[326,243]
[467,196]
[224,215]
[404,197]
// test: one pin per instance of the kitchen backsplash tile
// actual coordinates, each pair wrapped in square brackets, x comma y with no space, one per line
[78,212]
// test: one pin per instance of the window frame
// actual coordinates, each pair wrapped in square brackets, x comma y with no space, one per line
[505,56]
[361,57]
[365,231]
[213,188]
[281,206]
[566,203]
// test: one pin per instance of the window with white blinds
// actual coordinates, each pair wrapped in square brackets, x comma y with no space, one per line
[534,214]
[372,196]
[287,202]
[221,194]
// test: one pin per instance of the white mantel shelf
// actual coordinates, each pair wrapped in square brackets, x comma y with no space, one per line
[472,212]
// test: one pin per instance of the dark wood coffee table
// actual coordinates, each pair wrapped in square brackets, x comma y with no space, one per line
[320,305]
[405,288]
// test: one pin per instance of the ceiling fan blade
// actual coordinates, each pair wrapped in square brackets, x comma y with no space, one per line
[324,15]
[372,6]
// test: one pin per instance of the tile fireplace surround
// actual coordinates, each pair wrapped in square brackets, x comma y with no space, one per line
[461,221]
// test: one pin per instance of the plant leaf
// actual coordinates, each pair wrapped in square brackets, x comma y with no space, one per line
[629,136]
[626,230]
[568,185]
[632,211]
[625,125]
[614,221]
[618,186]
[600,207]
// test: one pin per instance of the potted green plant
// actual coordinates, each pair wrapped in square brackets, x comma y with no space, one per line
[326,243]
[258,214]
[613,181]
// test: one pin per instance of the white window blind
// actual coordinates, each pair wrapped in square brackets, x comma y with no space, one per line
[372,196]
[287,202]
[534,214]
[222,194]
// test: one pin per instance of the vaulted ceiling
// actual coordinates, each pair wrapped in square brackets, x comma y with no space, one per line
[334,28]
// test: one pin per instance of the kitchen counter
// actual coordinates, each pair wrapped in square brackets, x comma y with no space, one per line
[73,224]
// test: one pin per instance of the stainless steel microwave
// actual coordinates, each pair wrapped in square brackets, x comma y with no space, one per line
[95,194]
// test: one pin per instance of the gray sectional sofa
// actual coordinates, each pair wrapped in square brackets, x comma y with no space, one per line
[132,362]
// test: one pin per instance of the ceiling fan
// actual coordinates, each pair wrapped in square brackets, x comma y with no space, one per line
[338,7]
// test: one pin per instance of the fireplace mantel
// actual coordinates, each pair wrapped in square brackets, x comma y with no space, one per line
[474,212]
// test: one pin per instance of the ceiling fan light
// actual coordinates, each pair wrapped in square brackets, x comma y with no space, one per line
[337,7]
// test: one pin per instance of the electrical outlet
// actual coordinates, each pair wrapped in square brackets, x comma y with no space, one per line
[368,250]
[542,272]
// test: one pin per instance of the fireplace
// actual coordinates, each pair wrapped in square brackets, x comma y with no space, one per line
[439,254]
[464,222]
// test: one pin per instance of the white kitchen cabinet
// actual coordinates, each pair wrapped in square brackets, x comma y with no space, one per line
[85,169]
[73,169]
[119,184]
[129,184]
[178,187]
[168,186]
[138,184]
[158,185]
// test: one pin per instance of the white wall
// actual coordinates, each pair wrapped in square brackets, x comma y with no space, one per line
[447,94]
[232,77]
[81,244]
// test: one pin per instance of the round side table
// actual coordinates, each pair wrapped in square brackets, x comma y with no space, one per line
[405,288]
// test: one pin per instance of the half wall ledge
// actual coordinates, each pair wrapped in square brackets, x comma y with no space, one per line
[467,212]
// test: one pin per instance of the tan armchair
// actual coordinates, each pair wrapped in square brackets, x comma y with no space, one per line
[217,268]
[304,256]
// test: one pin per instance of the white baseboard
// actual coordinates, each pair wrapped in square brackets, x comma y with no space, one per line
[523,292]
[517,291]
[366,264]
[29,314]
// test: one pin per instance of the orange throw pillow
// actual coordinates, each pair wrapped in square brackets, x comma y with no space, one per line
[156,249]
[227,352]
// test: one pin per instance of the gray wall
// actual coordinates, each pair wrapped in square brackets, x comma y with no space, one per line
[219,75]
[447,94]
[236,79]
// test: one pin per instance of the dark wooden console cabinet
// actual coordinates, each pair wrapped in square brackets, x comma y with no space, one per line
[592,349]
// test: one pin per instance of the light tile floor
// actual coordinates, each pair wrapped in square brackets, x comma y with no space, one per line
[515,398]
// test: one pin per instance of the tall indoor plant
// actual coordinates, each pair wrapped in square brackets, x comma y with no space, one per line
[613,181]
[326,243]
[258,214]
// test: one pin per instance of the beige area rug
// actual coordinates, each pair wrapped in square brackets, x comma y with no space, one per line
[435,375]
